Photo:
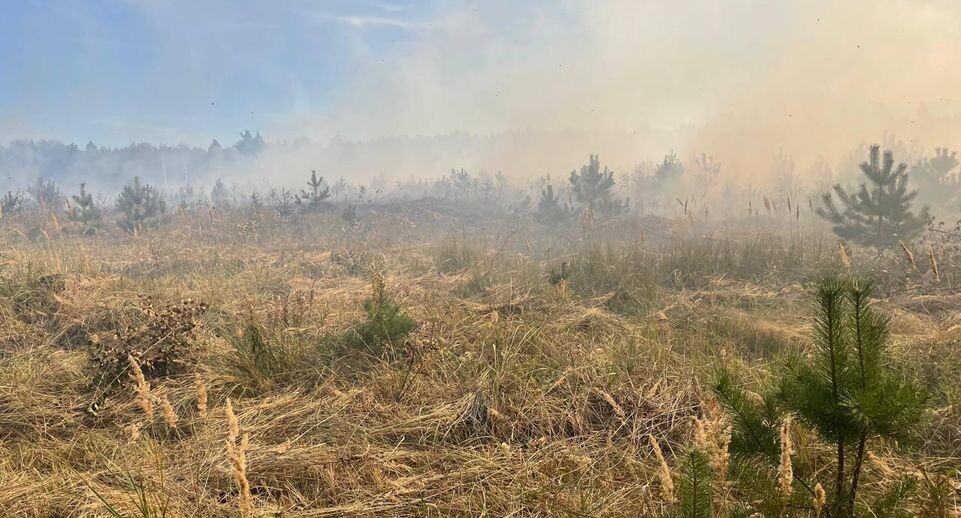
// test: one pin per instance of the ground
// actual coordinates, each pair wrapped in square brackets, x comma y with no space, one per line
[514,393]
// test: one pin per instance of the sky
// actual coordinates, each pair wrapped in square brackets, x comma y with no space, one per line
[122,71]
[739,79]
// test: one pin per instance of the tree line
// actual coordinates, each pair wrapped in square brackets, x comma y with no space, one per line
[880,212]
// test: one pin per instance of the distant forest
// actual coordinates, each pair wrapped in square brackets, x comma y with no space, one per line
[25,161]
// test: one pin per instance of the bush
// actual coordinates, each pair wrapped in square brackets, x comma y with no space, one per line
[158,338]
[259,359]
[85,212]
[386,323]
[142,207]
[847,391]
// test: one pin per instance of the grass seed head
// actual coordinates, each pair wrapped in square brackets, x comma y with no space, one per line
[142,387]
[785,471]
[201,395]
[667,482]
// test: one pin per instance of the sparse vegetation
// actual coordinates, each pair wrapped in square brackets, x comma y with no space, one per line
[594,188]
[85,212]
[47,194]
[551,210]
[449,357]
[141,207]
[317,191]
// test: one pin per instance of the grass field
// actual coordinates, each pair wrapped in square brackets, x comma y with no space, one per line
[433,361]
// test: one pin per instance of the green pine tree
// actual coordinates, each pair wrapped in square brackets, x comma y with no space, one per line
[938,179]
[47,194]
[85,211]
[141,206]
[387,324]
[551,210]
[696,485]
[318,192]
[848,391]
[594,188]
[669,170]
[879,213]
[220,195]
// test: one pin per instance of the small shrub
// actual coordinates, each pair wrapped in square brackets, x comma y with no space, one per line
[159,339]
[354,261]
[85,212]
[11,203]
[386,324]
[142,207]
[260,359]
[848,391]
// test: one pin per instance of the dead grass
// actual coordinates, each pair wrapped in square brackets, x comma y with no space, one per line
[547,409]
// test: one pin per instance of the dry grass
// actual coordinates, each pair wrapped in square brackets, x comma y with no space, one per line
[511,397]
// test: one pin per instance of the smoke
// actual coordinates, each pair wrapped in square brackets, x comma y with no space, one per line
[857,71]
[741,80]
[531,88]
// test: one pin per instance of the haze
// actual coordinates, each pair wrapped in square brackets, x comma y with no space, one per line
[530,88]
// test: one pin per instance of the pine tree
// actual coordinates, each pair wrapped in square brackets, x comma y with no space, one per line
[696,488]
[594,188]
[11,203]
[387,324]
[318,192]
[85,212]
[669,170]
[47,194]
[938,179]
[255,202]
[879,214]
[141,205]
[460,184]
[220,195]
[349,214]
[848,391]
[551,211]
[705,170]
[285,204]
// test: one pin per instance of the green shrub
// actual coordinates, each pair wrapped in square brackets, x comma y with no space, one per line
[85,212]
[141,206]
[696,485]
[257,358]
[847,390]
[386,323]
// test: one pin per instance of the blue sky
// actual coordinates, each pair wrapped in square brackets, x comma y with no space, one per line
[118,71]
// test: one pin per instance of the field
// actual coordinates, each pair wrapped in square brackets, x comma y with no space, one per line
[434,359]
